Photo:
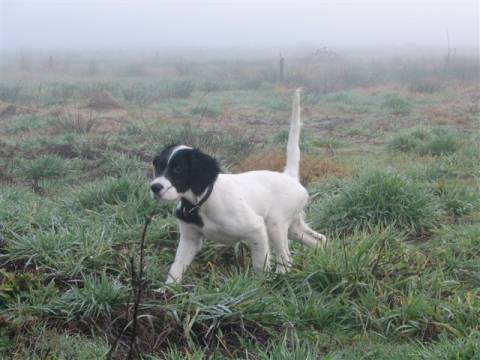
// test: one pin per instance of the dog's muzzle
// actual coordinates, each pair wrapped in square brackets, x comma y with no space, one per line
[156,188]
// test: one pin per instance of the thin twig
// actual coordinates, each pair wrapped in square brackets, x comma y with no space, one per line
[139,281]
[137,292]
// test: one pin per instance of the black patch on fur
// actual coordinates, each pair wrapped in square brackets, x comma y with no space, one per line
[188,169]
[203,171]
[160,161]
[188,213]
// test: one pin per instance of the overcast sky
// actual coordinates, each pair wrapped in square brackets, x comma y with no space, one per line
[113,24]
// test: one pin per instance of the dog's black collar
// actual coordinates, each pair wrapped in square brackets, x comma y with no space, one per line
[188,212]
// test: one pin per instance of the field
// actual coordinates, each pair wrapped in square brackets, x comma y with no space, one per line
[391,158]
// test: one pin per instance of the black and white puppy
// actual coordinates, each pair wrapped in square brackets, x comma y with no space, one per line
[263,208]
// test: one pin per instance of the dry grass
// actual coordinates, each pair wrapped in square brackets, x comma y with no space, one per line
[8,110]
[74,121]
[438,114]
[312,169]
[103,100]
[445,115]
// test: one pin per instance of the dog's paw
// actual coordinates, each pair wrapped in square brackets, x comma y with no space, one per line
[323,239]
[163,292]
[160,291]
[320,238]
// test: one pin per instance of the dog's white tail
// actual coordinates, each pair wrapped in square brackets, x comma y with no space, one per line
[292,167]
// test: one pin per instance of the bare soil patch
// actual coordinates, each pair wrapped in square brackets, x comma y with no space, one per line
[311,168]
[102,101]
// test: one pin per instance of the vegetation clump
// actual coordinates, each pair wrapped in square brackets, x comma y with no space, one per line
[377,199]
[436,142]
[43,168]
[396,105]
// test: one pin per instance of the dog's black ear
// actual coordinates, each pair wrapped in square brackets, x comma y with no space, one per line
[203,171]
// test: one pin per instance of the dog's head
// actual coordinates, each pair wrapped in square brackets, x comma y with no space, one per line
[179,169]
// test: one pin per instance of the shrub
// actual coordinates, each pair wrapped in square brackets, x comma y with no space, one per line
[46,167]
[377,199]
[426,142]
[396,105]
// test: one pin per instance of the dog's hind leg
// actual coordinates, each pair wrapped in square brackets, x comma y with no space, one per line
[300,231]
[278,237]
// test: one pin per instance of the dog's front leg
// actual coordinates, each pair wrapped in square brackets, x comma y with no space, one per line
[190,244]
[260,250]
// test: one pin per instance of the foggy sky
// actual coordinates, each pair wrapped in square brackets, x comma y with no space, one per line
[74,24]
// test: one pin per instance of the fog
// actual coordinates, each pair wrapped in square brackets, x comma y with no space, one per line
[88,25]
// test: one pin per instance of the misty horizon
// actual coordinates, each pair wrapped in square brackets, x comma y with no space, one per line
[268,25]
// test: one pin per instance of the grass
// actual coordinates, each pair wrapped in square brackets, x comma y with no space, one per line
[396,105]
[99,297]
[40,169]
[26,122]
[378,199]
[436,141]
[456,198]
[396,193]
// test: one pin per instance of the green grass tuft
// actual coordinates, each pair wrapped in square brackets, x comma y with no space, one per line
[456,198]
[40,169]
[396,105]
[423,141]
[97,297]
[377,199]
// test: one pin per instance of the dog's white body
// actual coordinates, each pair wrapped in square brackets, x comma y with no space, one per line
[263,208]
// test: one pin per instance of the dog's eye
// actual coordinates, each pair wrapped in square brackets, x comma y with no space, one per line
[177,170]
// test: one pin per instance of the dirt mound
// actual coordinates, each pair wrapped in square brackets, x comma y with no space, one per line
[5,178]
[102,101]
[7,151]
[312,169]
[7,110]
[66,151]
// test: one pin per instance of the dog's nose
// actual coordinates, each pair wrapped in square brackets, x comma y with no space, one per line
[156,188]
